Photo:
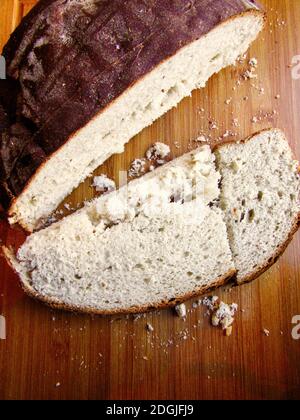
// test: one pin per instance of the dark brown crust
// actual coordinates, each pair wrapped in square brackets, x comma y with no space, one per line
[219,13]
[220,281]
[295,226]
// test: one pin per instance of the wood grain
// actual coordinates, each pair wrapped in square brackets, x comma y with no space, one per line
[104,357]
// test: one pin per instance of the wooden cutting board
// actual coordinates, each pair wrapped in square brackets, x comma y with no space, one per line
[56,355]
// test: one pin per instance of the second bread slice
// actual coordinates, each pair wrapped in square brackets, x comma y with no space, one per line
[260,200]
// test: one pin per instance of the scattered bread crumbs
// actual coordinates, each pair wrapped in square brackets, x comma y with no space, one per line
[158,151]
[266,332]
[253,62]
[235,122]
[196,304]
[249,74]
[103,184]
[137,168]
[158,154]
[222,314]
[213,125]
[264,116]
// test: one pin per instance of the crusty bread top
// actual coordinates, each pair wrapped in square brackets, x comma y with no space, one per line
[75,58]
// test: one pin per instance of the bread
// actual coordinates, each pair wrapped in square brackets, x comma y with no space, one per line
[149,245]
[260,200]
[85,77]
[162,238]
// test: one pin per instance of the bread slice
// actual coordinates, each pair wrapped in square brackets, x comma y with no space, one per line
[163,238]
[85,92]
[260,200]
[153,243]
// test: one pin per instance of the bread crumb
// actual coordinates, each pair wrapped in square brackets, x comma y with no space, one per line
[201,139]
[228,331]
[137,168]
[249,74]
[210,302]
[253,62]
[213,125]
[103,184]
[158,151]
[266,332]
[235,122]
[149,327]
[222,314]
[181,310]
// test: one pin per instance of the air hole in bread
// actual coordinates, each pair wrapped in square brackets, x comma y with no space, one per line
[215,58]
[33,200]
[106,135]
[251,215]
[260,196]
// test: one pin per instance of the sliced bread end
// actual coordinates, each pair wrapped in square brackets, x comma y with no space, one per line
[260,200]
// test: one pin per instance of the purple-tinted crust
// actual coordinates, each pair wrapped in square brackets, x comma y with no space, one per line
[66,64]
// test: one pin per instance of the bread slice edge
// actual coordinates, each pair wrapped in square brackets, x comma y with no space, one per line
[11,259]
[262,268]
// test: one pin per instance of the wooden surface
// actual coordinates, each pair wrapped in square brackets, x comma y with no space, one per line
[51,355]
